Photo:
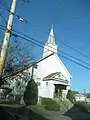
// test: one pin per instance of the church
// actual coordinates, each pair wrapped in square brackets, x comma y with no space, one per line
[53,76]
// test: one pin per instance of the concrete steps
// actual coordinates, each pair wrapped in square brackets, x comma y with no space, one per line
[65,104]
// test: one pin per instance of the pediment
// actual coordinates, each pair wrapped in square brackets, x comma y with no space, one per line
[53,75]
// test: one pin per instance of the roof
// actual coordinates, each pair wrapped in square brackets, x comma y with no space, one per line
[79,95]
[52,75]
[63,66]
[51,39]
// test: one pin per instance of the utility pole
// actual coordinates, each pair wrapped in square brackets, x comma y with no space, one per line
[7,38]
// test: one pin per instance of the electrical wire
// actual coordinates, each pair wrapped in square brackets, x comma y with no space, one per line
[33,40]
[54,52]
[66,44]
[27,58]
[38,44]
[53,48]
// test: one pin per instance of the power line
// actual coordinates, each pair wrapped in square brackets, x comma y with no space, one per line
[53,48]
[30,40]
[19,34]
[75,62]
[66,44]
[50,47]
[26,67]
[27,58]
[54,52]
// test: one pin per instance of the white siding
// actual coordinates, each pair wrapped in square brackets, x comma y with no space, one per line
[45,68]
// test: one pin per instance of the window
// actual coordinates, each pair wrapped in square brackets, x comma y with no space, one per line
[46,83]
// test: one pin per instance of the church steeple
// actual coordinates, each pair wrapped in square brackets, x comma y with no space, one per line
[51,39]
[50,45]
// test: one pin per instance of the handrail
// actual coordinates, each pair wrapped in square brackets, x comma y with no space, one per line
[63,101]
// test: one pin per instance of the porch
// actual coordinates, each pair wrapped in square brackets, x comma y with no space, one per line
[56,85]
[60,90]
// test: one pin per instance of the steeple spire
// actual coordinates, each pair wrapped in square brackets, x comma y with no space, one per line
[51,39]
[50,45]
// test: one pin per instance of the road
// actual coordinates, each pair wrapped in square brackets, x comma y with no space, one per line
[25,114]
[77,114]
[73,114]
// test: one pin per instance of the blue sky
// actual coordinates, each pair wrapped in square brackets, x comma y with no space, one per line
[71,20]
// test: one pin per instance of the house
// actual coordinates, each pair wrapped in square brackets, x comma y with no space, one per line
[53,76]
[80,97]
[87,100]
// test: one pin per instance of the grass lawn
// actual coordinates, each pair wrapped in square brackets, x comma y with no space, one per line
[50,115]
[41,110]
[84,106]
[10,105]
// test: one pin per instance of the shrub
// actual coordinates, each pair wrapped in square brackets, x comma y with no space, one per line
[6,102]
[50,104]
[83,106]
[17,99]
[31,93]
[71,96]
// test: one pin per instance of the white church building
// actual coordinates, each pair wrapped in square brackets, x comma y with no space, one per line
[53,76]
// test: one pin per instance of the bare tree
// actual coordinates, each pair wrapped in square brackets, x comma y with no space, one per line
[18,56]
